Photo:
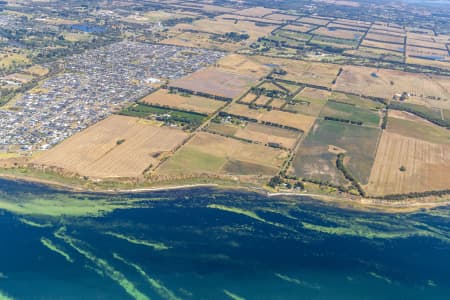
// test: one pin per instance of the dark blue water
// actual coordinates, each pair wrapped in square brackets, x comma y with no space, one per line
[214,244]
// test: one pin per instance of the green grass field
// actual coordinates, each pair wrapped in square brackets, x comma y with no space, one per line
[356,100]
[431,114]
[419,130]
[350,112]
[313,160]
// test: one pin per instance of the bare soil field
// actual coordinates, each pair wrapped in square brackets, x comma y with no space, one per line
[180,101]
[116,147]
[315,73]
[299,121]
[209,153]
[215,81]
[425,165]
[385,83]
[338,33]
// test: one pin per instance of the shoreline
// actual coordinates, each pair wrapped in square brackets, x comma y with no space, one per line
[361,204]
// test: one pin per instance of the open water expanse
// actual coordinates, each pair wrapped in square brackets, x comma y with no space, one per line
[206,243]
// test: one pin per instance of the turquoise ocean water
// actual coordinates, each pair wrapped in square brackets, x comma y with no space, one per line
[206,243]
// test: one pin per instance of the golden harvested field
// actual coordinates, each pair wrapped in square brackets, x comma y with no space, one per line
[198,40]
[426,62]
[209,153]
[249,98]
[239,17]
[393,47]
[244,65]
[314,94]
[385,38]
[268,134]
[299,121]
[37,70]
[388,28]
[355,23]
[194,103]
[385,83]
[426,166]
[421,43]
[282,17]
[262,100]
[389,33]
[256,11]
[9,59]
[427,52]
[338,33]
[277,103]
[347,27]
[299,27]
[215,81]
[222,26]
[315,73]
[116,147]
[314,21]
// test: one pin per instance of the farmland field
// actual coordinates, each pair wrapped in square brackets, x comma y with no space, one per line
[309,101]
[338,33]
[385,38]
[315,21]
[260,133]
[182,101]
[425,166]
[244,65]
[214,81]
[314,73]
[383,45]
[298,121]
[212,153]
[118,146]
[299,27]
[401,123]
[350,112]
[315,160]
[268,134]
[385,83]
